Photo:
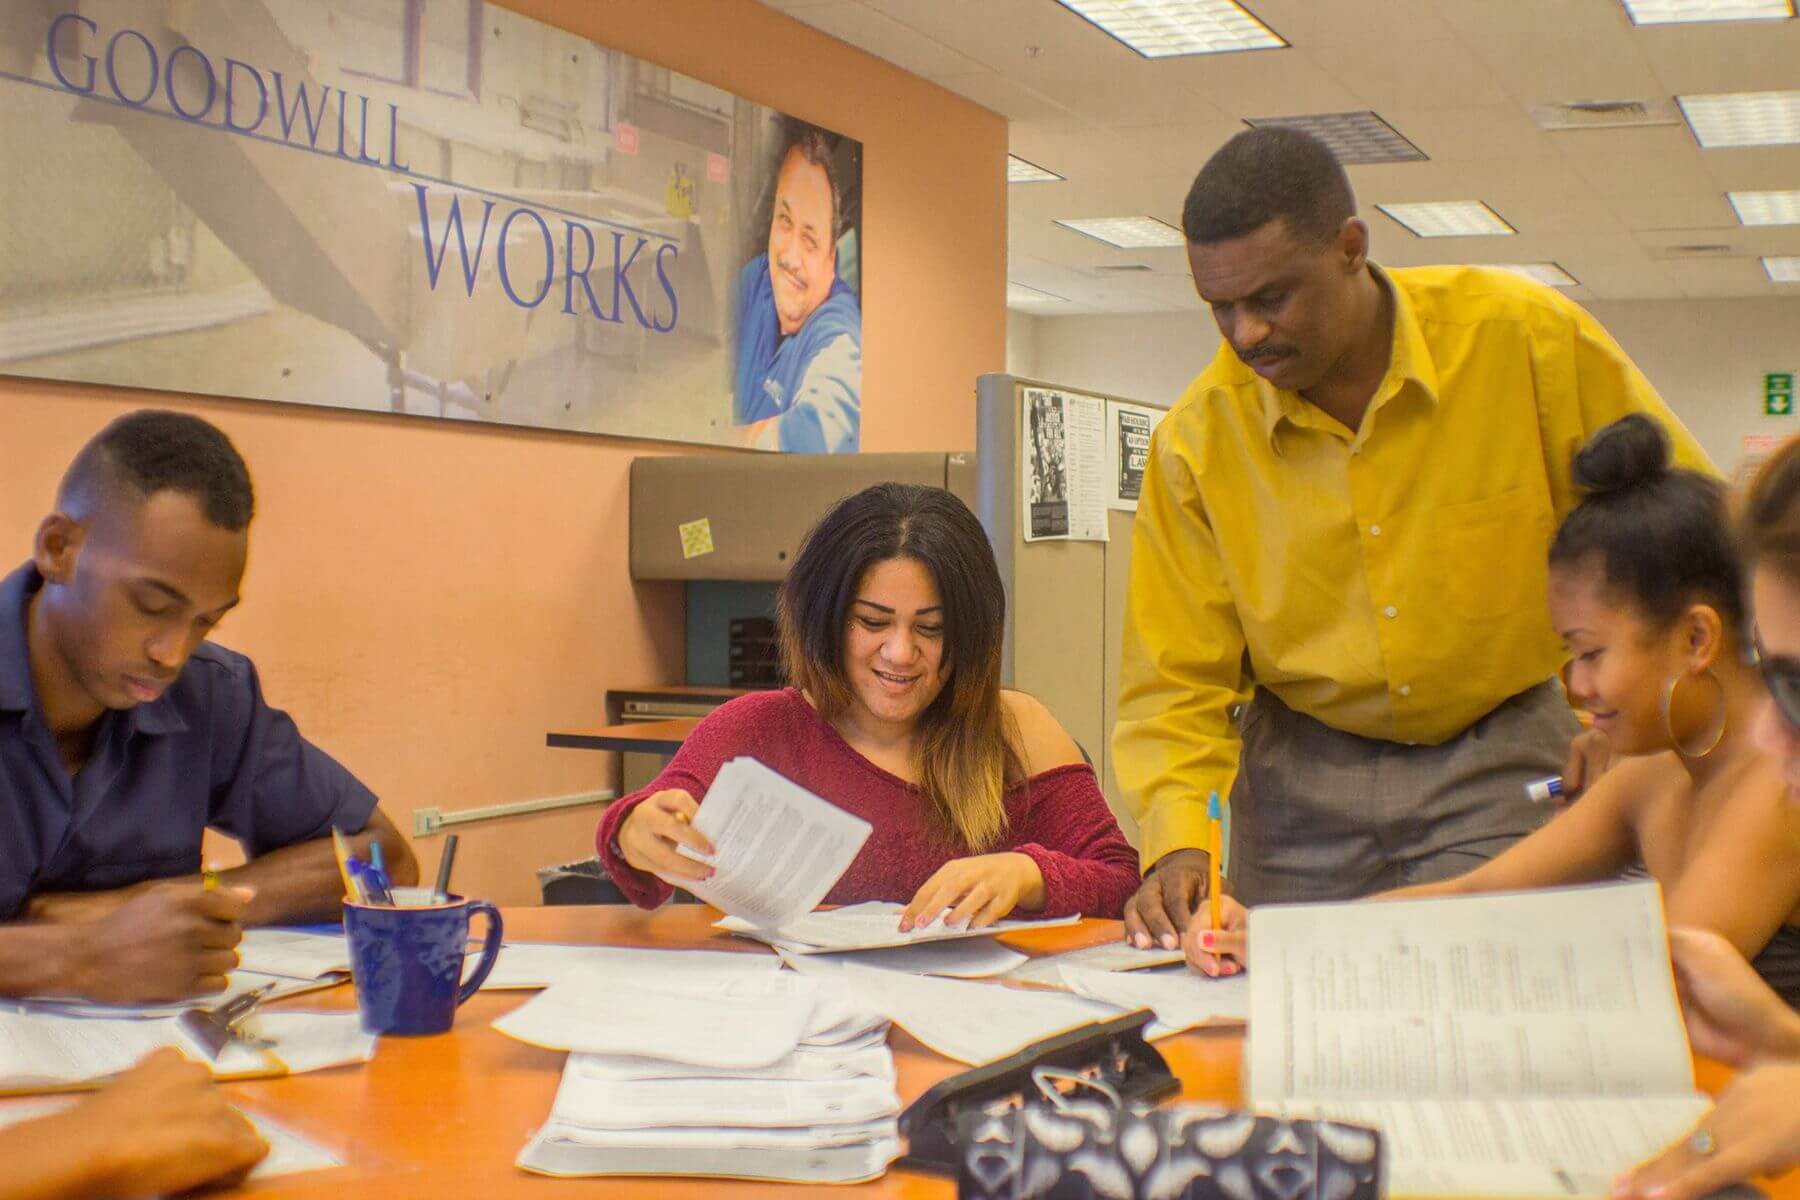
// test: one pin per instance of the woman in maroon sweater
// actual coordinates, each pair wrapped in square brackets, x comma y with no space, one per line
[891,620]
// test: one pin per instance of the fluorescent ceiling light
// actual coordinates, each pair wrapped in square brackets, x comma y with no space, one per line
[1766,208]
[1020,171]
[1743,118]
[1167,28]
[1127,233]
[1449,218]
[1785,269]
[1354,137]
[1678,12]
[1018,293]
[1547,273]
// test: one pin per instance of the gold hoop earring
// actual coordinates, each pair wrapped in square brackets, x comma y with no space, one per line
[1668,712]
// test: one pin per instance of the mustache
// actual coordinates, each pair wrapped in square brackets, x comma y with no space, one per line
[1262,355]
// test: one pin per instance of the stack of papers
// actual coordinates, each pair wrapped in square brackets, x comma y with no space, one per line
[237,984]
[1046,969]
[972,1022]
[293,954]
[756,1076]
[874,925]
[51,1052]
[1181,999]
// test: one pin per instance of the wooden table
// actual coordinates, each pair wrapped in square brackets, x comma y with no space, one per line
[444,1117]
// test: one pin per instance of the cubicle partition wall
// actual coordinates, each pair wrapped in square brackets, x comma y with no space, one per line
[1065,600]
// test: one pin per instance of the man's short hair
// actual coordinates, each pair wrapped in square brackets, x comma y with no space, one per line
[1264,174]
[814,146]
[151,451]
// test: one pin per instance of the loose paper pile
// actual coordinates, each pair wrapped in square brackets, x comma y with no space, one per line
[736,1074]
[873,925]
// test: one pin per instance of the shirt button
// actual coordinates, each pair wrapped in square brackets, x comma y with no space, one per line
[1374,531]
[1406,689]
[1390,612]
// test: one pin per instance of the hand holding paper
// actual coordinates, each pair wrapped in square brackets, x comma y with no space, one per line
[779,847]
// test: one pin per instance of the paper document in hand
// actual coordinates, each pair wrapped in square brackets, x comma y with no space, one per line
[529,965]
[1046,969]
[777,847]
[1180,999]
[972,1022]
[970,958]
[871,925]
[743,1021]
[1509,1045]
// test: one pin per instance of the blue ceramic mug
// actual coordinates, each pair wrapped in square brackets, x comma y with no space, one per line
[407,961]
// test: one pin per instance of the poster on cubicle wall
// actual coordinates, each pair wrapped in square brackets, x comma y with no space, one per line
[1062,465]
[427,207]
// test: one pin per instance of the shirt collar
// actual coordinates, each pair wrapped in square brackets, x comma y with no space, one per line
[16,691]
[1409,360]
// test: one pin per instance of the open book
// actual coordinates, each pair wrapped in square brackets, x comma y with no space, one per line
[1514,1045]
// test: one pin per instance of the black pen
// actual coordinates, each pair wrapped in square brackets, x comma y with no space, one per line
[445,862]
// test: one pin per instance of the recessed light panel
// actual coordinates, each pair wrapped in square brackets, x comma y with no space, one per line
[1785,269]
[1127,233]
[1682,12]
[1168,28]
[1354,137]
[1743,118]
[1019,170]
[1547,273]
[1766,208]
[1449,218]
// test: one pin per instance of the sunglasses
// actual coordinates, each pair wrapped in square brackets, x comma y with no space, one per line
[1781,677]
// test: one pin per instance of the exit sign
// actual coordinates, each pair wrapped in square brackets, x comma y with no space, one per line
[1778,394]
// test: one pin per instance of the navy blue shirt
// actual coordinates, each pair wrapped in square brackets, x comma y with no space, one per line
[207,752]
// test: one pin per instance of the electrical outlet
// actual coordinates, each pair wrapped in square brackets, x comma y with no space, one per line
[427,821]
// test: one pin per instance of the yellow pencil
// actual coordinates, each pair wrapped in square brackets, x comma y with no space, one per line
[209,877]
[1215,847]
[341,845]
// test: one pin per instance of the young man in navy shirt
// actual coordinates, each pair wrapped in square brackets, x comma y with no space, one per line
[124,734]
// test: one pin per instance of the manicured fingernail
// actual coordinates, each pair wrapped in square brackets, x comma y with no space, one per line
[1206,939]
[1141,941]
[1169,942]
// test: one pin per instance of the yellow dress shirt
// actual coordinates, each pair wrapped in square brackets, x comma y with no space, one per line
[1388,581]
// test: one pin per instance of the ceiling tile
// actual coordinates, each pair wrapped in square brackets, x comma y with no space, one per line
[887,38]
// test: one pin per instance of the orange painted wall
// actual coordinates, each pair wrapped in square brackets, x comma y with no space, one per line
[428,598]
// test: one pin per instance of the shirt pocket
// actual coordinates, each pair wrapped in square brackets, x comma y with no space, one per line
[1492,555]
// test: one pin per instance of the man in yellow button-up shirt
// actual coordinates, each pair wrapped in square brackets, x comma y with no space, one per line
[1342,536]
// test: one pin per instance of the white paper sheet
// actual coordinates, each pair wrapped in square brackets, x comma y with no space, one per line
[871,1060]
[1046,969]
[237,984]
[971,958]
[289,1153]
[777,847]
[1554,1147]
[972,1022]
[1527,995]
[872,925]
[41,1050]
[1180,999]
[735,1137]
[293,954]
[527,965]
[1062,466]
[745,1103]
[742,1021]
[560,1151]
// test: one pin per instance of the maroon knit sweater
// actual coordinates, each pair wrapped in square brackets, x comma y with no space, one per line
[1058,817]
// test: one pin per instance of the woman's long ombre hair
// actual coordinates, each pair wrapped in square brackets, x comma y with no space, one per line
[965,739]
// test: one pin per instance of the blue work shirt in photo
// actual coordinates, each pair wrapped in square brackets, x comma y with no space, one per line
[812,380]
[207,752]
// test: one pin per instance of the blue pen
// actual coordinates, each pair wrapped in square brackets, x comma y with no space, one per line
[359,886]
[1543,791]
[375,857]
[380,891]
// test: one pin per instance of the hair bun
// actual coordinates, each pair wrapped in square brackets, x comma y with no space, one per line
[1631,451]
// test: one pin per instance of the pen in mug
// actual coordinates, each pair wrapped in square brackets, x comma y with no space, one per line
[1543,791]
[441,893]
